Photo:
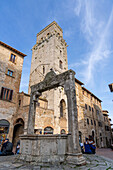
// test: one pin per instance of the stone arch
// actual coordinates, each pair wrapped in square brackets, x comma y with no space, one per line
[63,131]
[62,108]
[18,130]
[48,130]
[52,81]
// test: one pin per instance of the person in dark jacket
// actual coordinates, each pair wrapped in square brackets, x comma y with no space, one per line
[87,147]
[7,148]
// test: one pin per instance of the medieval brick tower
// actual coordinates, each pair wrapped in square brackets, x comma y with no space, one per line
[50,52]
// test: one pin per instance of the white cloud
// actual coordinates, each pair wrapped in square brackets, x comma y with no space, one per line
[97,33]
[78,7]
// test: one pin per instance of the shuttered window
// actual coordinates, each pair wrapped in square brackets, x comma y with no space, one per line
[6,94]
[12,58]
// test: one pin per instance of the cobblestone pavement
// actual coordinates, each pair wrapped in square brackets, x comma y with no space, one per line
[94,162]
[106,152]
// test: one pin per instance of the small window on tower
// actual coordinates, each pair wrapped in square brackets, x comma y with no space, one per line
[43,70]
[60,64]
[19,103]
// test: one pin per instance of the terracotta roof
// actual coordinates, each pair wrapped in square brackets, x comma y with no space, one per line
[91,94]
[78,81]
[11,48]
[105,111]
[24,93]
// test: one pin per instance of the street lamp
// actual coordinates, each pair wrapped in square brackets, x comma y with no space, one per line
[111,87]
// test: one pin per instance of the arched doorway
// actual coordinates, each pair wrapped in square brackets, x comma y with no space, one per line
[18,130]
[48,130]
[80,137]
[4,129]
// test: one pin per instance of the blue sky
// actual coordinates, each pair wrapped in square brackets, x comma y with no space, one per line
[87,28]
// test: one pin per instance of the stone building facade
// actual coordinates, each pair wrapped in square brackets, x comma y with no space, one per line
[11,62]
[50,52]
[90,116]
[108,130]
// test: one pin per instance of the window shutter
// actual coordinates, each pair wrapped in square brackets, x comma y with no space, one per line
[1,96]
[11,94]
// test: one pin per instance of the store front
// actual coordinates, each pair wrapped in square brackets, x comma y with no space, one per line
[4,129]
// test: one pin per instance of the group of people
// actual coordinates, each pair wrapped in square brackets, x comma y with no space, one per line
[7,148]
[89,146]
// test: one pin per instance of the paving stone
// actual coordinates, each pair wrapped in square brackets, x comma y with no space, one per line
[94,162]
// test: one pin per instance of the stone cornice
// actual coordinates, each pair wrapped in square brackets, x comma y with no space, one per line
[53,23]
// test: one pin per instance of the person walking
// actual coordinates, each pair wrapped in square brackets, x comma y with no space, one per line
[7,148]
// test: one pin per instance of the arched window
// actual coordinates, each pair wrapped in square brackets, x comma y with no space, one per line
[91,122]
[4,126]
[63,131]
[60,64]
[94,122]
[89,108]
[88,121]
[48,130]
[43,70]
[93,133]
[62,108]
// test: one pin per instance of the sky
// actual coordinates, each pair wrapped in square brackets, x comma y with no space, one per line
[87,28]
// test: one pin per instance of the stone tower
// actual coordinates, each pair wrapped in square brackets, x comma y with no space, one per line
[50,52]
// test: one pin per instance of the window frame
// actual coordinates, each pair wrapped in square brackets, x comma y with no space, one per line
[86,106]
[6,94]
[91,122]
[90,108]
[10,71]
[12,58]
[87,121]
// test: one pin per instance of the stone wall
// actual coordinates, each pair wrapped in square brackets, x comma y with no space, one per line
[9,80]
[43,148]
